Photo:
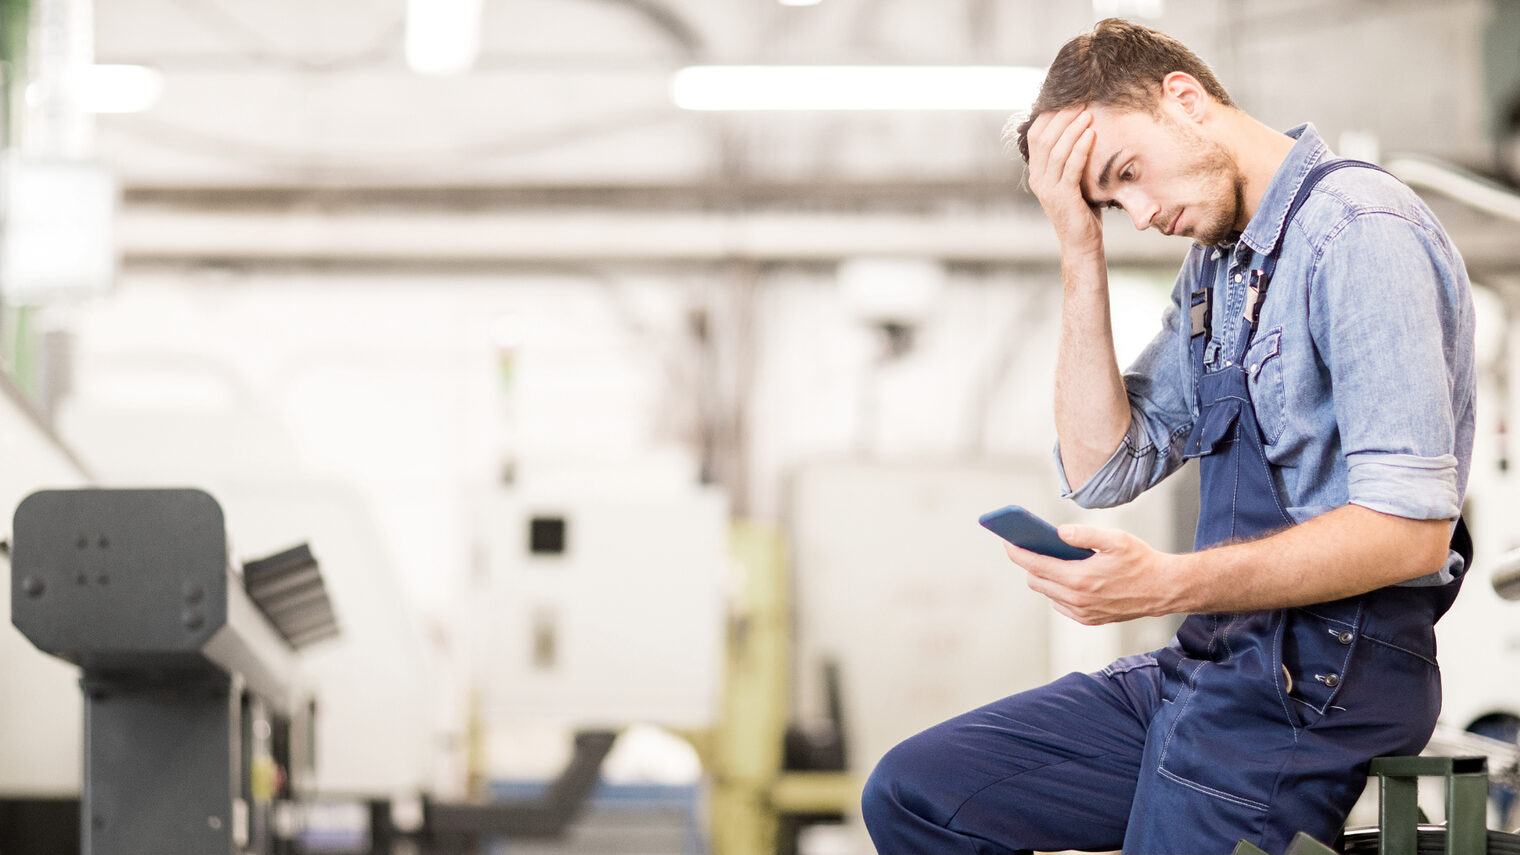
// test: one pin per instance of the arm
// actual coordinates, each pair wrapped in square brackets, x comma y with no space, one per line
[1091,409]
[1405,319]
[1159,388]
[1128,579]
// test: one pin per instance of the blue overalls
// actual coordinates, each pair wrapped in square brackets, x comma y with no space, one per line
[1251,725]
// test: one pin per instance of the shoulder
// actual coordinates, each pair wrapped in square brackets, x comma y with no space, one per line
[1360,195]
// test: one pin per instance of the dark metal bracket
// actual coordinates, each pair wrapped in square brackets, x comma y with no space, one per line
[464,824]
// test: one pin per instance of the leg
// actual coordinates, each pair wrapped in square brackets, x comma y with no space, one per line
[1052,768]
[1233,754]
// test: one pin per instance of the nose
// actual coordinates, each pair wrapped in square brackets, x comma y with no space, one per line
[1143,211]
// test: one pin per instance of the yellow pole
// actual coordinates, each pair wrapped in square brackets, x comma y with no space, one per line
[747,744]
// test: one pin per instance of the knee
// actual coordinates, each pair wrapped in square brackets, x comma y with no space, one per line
[885,795]
[879,796]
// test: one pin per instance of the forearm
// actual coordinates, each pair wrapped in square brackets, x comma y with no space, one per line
[1347,551]
[1091,409]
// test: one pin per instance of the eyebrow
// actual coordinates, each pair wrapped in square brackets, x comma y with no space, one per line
[1108,168]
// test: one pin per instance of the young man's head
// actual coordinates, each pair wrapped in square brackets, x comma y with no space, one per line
[1118,64]
[1155,109]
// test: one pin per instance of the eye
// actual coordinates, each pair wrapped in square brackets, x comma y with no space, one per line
[1127,174]
[1113,206]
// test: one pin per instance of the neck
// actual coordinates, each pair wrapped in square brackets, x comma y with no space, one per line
[1258,151]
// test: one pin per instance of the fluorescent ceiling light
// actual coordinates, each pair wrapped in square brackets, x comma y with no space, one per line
[117,88]
[855,87]
[442,36]
[800,2]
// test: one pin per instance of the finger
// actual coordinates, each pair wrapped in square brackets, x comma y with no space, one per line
[1089,537]
[1068,161]
[1045,132]
[1081,153]
[1067,612]
[1021,557]
[1034,562]
[1047,126]
[1044,587]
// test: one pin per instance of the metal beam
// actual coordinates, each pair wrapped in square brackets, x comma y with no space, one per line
[157,235]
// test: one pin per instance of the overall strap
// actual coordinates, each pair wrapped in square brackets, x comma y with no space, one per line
[1201,311]
[1261,276]
[1201,300]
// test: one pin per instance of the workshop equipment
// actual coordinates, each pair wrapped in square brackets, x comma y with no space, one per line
[192,717]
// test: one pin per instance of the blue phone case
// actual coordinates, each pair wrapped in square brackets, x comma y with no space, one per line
[1025,530]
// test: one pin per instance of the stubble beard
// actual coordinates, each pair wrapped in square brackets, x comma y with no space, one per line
[1223,229]
[1219,177]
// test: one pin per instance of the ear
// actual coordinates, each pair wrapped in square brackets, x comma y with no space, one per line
[1182,93]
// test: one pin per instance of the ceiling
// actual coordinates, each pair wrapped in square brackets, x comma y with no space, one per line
[282,107]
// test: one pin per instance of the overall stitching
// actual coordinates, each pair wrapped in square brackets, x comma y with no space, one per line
[1426,659]
[1209,791]
[1277,685]
[958,808]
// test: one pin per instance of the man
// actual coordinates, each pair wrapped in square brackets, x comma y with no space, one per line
[1317,359]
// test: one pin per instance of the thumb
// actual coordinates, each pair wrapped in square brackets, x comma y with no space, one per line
[1088,537]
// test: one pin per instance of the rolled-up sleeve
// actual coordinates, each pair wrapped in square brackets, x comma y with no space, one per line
[1385,326]
[1404,485]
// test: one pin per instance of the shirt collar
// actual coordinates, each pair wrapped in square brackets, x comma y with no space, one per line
[1265,230]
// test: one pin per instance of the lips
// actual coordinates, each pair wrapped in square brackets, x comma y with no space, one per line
[1172,229]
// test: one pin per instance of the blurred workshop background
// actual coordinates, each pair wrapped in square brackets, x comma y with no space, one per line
[634,371]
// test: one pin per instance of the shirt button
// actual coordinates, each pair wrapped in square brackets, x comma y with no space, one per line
[1237,277]
[1253,367]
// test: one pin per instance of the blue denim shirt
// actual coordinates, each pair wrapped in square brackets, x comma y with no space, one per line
[1361,369]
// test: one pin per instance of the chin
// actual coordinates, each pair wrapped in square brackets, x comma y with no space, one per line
[1214,234]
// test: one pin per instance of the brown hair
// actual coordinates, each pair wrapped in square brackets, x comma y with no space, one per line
[1118,64]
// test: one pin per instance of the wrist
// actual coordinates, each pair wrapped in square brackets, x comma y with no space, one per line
[1185,583]
[1083,260]
[1085,275]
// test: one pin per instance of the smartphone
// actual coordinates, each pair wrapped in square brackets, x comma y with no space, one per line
[1027,531]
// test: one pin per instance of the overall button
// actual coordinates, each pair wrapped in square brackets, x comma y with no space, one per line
[1331,680]
[1345,636]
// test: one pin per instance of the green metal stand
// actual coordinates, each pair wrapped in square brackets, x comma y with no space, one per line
[1399,813]
[1466,802]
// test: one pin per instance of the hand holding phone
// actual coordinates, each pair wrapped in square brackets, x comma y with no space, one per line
[1027,531]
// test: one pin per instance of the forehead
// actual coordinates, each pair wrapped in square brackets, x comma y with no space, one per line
[1119,134]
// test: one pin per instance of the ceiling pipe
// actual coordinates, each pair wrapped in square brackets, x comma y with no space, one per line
[1466,187]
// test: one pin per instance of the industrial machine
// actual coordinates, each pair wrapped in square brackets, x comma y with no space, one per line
[197,728]
[193,719]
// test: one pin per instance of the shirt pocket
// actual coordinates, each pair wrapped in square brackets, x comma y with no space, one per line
[1264,378]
